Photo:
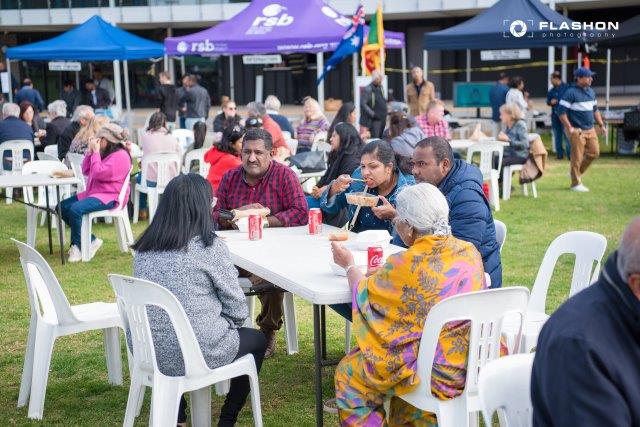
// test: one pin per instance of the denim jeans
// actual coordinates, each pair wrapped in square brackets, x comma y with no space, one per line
[72,211]
[560,140]
[143,196]
[312,202]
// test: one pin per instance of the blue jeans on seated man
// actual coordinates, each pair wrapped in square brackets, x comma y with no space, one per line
[143,196]
[72,211]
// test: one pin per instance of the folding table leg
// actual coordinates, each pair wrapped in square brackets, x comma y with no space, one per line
[60,228]
[323,328]
[46,194]
[317,346]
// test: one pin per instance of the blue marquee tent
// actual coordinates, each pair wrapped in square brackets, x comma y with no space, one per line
[492,29]
[94,40]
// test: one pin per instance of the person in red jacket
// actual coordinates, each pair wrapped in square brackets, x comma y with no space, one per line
[225,155]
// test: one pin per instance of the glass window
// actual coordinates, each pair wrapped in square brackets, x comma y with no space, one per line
[9,4]
[133,2]
[58,4]
[88,3]
[34,4]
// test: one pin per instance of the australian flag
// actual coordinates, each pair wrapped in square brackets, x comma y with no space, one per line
[350,44]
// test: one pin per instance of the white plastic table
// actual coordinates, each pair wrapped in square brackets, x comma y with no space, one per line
[464,144]
[299,263]
[42,180]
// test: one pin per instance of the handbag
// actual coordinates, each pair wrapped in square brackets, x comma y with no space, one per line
[309,161]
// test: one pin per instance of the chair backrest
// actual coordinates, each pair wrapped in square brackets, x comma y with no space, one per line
[504,385]
[51,150]
[184,136]
[75,160]
[46,297]
[123,192]
[588,249]
[163,161]
[286,135]
[44,167]
[293,145]
[320,136]
[17,147]
[501,232]
[486,150]
[485,311]
[196,156]
[133,296]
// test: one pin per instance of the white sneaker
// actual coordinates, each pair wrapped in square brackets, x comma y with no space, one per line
[74,254]
[95,245]
[580,188]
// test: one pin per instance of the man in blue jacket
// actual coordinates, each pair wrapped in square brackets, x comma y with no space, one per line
[11,129]
[586,370]
[469,212]
[554,96]
[498,96]
[28,93]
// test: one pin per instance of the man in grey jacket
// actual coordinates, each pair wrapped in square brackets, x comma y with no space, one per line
[197,102]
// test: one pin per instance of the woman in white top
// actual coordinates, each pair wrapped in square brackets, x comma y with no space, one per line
[516,94]
[157,139]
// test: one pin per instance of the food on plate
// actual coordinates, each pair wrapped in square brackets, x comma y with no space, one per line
[362,199]
[339,236]
[62,173]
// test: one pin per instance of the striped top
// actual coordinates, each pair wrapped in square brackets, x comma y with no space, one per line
[308,130]
[579,104]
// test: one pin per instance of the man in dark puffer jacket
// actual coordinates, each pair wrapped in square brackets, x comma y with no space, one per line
[469,212]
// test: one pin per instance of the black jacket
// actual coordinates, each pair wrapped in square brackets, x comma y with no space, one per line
[72,99]
[64,140]
[586,370]
[55,128]
[168,101]
[221,122]
[104,101]
[343,163]
[470,215]
[373,105]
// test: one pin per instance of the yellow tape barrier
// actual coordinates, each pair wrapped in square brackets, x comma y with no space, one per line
[514,66]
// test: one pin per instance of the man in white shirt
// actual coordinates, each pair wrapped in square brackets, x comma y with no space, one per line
[104,83]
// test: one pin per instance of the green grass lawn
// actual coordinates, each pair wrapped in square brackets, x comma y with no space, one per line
[78,392]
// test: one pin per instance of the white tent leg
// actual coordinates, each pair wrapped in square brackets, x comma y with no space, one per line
[354,75]
[117,83]
[565,12]
[404,73]
[232,80]
[127,95]
[579,64]
[165,62]
[320,67]
[608,79]
[468,65]
[183,69]
[551,63]
[9,80]
[77,80]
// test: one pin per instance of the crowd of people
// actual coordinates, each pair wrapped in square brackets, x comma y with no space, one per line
[429,201]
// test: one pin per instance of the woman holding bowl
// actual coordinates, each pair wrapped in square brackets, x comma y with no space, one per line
[380,178]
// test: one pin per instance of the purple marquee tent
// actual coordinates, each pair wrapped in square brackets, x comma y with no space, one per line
[265,26]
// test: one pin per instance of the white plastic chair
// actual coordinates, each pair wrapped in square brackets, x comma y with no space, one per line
[75,160]
[133,296]
[53,317]
[40,155]
[163,161]
[286,135]
[184,136]
[507,179]
[16,149]
[119,214]
[52,150]
[504,386]
[485,310]
[588,249]
[501,232]
[293,145]
[196,156]
[42,167]
[487,151]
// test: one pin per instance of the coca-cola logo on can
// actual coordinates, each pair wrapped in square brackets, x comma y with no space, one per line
[255,227]
[374,257]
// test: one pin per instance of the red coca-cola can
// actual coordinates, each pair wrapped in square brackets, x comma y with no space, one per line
[255,227]
[374,257]
[315,221]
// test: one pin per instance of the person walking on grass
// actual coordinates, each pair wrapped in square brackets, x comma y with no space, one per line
[578,112]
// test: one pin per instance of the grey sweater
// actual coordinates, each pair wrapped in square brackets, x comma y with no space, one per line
[205,282]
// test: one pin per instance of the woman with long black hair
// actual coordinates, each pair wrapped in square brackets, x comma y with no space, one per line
[181,252]
[224,156]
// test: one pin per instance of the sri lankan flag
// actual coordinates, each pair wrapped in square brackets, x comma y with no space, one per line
[373,48]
